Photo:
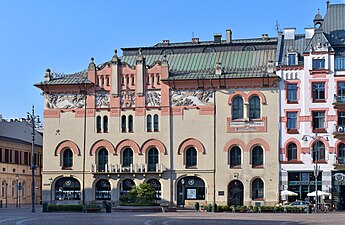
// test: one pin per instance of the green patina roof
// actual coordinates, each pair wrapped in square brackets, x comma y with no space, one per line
[201,65]
[77,78]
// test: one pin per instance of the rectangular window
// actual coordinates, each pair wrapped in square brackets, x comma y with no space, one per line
[26,158]
[318,120]
[341,119]
[16,157]
[7,156]
[1,158]
[318,91]
[341,92]
[292,120]
[318,64]
[292,92]
[292,59]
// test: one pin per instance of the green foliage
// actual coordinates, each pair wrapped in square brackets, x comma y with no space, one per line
[67,208]
[142,195]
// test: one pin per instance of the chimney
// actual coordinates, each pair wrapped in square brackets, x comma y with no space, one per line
[165,42]
[195,40]
[264,37]
[228,36]
[217,38]
[218,68]
[289,33]
[47,76]
[309,33]
[270,67]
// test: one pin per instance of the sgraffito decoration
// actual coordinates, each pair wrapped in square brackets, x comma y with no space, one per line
[192,98]
[64,101]
[153,98]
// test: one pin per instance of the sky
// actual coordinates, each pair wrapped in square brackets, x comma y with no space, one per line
[64,34]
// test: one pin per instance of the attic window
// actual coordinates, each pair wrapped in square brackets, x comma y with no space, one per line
[249,48]
[292,59]
[167,52]
[318,64]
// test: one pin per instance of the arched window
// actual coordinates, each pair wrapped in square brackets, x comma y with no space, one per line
[292,151]
[99,124]
[237,108]
[105,124]
[103,190]
[23,189]
[152,159]
[190,188]
[341,153]
[257,156]
[126,186]
[318,151]
[235,157]
[123,123]
[67,188]
[3,189]
[191,157]
[130,123]
[13,189]
[254,107]
[127,157]
[149,123]
[155,123]
[102,159]
[157,186]
[67,160]
[257,189]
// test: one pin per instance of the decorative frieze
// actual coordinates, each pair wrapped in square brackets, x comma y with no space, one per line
[192,97]
[102,100]
[153,98]
[127,99]
[64,101]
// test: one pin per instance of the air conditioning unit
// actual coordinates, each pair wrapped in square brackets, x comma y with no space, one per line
[340,129]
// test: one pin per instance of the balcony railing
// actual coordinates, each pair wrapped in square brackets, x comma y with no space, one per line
[134,168]
[339,100]
[339,131]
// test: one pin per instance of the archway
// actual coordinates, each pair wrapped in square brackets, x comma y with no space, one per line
[67,188]
[235,193]
[190,188]
[103,190]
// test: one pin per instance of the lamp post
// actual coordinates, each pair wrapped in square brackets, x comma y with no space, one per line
[17,190]
[6,193]
[182,182]
[316,167]
[34,121]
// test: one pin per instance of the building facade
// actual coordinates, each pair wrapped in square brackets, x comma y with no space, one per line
[197,120]
[311,67]
[15,162]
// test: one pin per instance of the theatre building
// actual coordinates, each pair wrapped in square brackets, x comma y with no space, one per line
[197,120]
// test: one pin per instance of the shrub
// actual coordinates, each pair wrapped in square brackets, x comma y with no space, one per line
[142,195]
[68,208]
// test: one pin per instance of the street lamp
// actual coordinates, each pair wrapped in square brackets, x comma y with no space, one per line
[182,182]
[6,184]
[316,167]
[17,190]
[34,121]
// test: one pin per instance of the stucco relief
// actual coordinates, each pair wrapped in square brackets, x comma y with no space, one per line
[192,98]
[64,101]
[127,99]
[153,98]
[102,100]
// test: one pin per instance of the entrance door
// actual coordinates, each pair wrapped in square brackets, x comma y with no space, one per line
[235,193]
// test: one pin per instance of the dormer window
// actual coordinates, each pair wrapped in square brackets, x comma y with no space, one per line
[318,64]
[292,59]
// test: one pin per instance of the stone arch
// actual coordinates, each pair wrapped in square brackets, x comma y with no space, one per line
[235,142]
[191,142]
[335,149]
[236,93]
[258,141]
[153,143]
[67,144]
[258,93]
[128,143]
[298,144]
[102,143]
[321,139]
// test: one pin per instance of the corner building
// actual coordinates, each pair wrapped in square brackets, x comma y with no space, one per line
[197,120]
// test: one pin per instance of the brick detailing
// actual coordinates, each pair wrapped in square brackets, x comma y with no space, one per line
[153,143]
[102,144]
[128,143]
[67,144]
[235,142]
[258,93]
[260,142]
[191,142]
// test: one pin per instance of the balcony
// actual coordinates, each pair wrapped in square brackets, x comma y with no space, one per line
[133,169]
[339,131]
[339,101]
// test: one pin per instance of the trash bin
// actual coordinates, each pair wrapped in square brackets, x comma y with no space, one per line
[45,207]
[0,203]
[108,207]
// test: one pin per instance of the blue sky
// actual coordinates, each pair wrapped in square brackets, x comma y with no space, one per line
[63,35]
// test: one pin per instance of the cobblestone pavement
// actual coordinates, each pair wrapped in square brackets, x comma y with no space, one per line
[23,216]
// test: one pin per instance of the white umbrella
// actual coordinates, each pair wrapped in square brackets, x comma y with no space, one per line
[288,193]
[319,193]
